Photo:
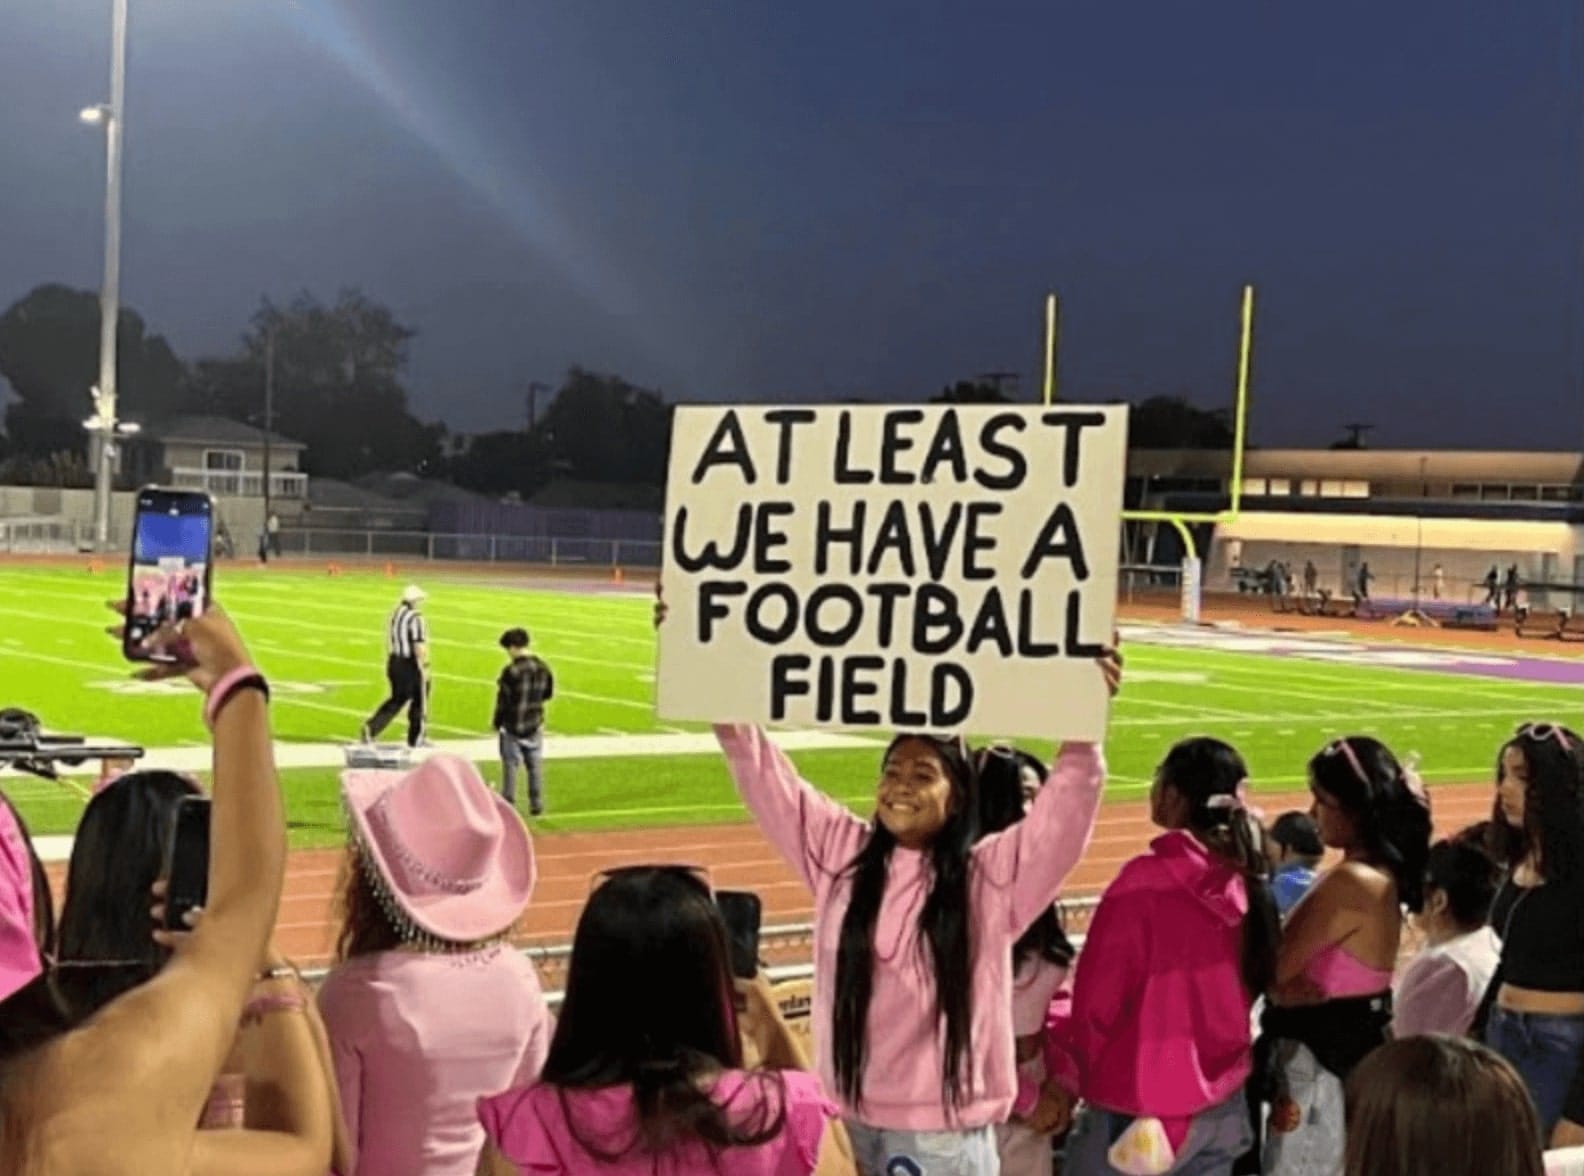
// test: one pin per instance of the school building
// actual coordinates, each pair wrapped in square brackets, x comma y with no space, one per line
[1401,511]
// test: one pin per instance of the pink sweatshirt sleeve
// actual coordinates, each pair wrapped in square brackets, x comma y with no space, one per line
[814,833]
[1029,862]
[1114,954]
[1433,997]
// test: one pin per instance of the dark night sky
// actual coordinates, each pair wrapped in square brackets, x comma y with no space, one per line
[816,199]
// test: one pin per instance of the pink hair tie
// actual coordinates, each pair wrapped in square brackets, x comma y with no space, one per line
[241,678]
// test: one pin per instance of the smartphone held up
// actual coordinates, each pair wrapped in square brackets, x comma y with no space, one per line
[170,571]
[187,862]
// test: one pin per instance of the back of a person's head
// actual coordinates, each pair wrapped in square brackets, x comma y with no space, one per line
[1212,777]
[1387,804]
[649,1003]
[1460,869]
[1005,780]
[1440,1106]
[1297,832]
[106,943]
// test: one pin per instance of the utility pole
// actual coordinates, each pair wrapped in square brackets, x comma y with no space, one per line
[111,116]
[269,412]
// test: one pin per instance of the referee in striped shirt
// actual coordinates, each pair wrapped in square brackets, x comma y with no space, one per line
[406,668]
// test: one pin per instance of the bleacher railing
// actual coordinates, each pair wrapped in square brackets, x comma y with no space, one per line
[552,550]
[41,536]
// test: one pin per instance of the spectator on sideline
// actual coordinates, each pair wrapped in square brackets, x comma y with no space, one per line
[921,1059]
[1159,1043]
[1440,1106]
[406,669]
[1441,989]
[429,1007]
[1006,782]
[1295,852]
[1537,1022]
[525,685]
[124,1091]
[1332,1001]
[644,1073]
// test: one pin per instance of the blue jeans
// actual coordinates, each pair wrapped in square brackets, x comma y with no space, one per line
[1216,1138]
[883,1152]
[516,751]
[1545,1050]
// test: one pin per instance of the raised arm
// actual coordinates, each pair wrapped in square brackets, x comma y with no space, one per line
[1028,862]
[810,830]
[177,1029]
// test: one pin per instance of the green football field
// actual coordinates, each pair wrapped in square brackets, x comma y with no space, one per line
[613,765]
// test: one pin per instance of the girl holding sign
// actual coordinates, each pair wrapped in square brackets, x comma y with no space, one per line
[913,1012]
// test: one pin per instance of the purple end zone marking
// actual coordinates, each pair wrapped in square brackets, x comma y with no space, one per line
[1340,651]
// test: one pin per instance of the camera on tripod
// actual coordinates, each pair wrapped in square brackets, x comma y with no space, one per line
[27,747]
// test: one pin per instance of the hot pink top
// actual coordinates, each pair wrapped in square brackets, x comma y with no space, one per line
[1159,1023]
[1338,973]
[530,1128]
[1016,874]
[417,1038]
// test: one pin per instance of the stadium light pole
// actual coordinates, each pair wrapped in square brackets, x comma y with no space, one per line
[110,116]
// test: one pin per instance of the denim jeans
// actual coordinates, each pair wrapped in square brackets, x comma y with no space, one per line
[883,1152]
[1544,1049]
[1217,1137]
[1316,1145]
[516,751]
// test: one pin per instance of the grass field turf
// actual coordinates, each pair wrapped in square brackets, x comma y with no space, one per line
[321,641]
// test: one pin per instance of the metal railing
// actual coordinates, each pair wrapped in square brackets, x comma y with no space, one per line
[42,536]
[787,949]
[554,550]
[241,483]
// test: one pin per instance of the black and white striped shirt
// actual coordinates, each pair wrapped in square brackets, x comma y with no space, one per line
[405,632]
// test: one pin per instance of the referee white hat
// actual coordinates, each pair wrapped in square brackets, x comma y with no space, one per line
[412,594]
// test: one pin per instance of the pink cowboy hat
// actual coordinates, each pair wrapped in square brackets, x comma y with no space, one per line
[453,857]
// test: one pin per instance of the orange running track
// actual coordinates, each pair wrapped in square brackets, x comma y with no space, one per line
[741,859]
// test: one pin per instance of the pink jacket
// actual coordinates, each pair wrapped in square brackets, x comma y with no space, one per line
[1159,1023]
[1016,874]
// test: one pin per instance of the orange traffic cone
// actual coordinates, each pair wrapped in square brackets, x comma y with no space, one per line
[390,570]
[616,575]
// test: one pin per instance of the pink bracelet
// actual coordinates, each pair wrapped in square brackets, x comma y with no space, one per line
[255,1009]
[230,682]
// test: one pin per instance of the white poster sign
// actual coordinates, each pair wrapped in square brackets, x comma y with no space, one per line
[943,568]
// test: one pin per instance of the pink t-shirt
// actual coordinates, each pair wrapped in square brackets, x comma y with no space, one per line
[417,1039]
[530,1128]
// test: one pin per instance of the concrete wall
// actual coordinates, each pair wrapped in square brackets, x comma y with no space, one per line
[244,516]
[1465,548]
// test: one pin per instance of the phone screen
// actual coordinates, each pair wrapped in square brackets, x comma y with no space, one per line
[187,867]
[169,578]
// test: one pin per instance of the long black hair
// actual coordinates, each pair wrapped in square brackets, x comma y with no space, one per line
[657,928]
[1389,810]
[1553,804]
[999,804]
[1210,775]
[106,943]
[944,922]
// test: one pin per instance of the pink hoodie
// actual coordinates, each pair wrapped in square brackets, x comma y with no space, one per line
[1017,873]
[1159,1023]
[19,954]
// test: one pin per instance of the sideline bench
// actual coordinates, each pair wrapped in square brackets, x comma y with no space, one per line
[1557,624]
[1448,613]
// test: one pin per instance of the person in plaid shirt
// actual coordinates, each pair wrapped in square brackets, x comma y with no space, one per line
[525,685]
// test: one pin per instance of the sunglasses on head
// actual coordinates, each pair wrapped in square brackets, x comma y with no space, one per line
[999,749]
[1345,749]
[1540,732]
[699,875]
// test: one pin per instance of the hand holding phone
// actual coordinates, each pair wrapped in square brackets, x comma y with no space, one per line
[187,862]
[170,570]
[741,911]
